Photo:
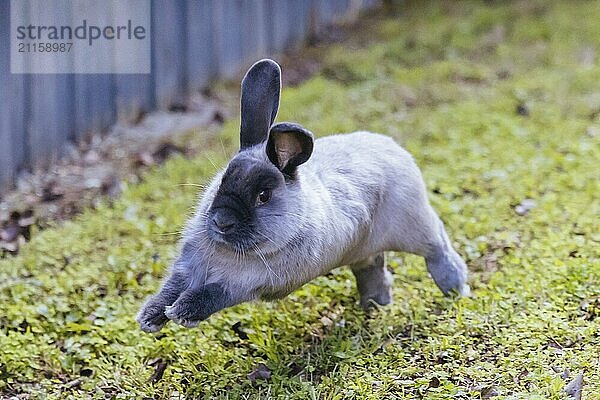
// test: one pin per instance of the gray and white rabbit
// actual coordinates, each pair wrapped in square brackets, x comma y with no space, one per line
[288,208]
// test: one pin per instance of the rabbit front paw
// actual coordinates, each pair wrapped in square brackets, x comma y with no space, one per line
[195,305]
[182,314]
[151,317]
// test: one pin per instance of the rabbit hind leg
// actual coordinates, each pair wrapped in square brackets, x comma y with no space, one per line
[445,265]
[373,280]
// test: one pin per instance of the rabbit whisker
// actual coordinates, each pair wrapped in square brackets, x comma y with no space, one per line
[223,148]
[262,257]
[192,184]
[211,161]
[170,233]
[267,238]
[238,253]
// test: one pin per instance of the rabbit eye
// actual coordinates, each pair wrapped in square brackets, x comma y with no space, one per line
[263,197]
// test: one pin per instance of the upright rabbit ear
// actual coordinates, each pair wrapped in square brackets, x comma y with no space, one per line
[260,100]
[289,145]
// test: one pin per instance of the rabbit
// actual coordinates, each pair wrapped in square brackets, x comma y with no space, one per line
[289,208]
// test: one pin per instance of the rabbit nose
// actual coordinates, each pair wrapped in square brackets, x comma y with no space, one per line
[224,224]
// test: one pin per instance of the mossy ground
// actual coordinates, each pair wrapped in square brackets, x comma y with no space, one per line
[498,102]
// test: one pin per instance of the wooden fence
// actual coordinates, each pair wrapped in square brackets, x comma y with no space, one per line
[192,42]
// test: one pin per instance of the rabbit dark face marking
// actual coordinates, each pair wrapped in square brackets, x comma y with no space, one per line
[239,213]
[251,199]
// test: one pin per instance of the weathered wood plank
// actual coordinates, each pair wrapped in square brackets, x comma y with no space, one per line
[135,93]
[200,66]
[299,11]
[94,94]
[168,55]
[49,126]
[227,39]
[254,31]
[279,20]
[13,110]
[8,164]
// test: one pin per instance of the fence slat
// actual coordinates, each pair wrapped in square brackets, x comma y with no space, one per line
[227,36]
[332,11]
[168,56]
[299,12]
[134,92]
[280,25]
[13,110]
[134,96]
[51,101]
[50,123]
[254,30]
[7,162]
[94,109]
[200,67]
[94,94]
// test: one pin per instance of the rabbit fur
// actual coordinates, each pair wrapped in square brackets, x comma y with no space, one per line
[339,200]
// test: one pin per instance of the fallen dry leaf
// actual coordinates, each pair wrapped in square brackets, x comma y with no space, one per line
[260,372]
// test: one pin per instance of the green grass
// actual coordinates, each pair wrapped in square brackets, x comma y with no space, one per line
[446,80]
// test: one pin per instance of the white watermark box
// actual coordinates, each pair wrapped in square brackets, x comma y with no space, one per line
[80,36]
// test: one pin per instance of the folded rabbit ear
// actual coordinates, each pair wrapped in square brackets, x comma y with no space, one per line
[289,145]
[260,101]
